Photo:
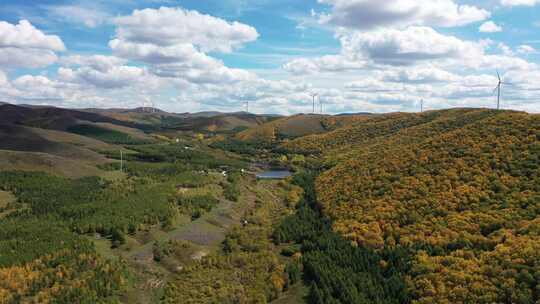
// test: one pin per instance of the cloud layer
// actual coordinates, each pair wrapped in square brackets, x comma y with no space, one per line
[391,55]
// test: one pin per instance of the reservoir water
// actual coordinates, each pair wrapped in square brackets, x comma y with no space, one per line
[274,174]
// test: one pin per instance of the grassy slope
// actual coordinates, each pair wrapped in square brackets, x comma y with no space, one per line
[55,152]
[56,165]
[135,133]
[73,139]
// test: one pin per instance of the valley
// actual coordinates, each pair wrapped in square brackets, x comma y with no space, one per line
[269,152]
[129,206]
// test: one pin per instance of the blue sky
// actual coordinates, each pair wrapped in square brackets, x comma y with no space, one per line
[359,55]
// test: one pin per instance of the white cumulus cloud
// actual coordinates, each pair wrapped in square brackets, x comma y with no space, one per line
[526,49]
[406,47]
[97,62]
[23,45]
[490,27]
[25,35]
[367,14]
[171,26]
[175,43]
[100,71]
[519,2]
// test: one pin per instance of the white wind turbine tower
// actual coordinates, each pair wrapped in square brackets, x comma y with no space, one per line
[247,98]
[314,95]
[498,89]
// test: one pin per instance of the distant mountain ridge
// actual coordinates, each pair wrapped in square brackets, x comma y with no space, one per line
[140,118]
[51,117]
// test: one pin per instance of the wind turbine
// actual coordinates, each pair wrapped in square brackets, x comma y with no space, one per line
[498,89]
[422,105]
[247,106]
[314,95]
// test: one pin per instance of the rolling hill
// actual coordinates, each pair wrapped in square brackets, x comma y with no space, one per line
[55,139]
[297,126]
[49,139]
[52,118]
[56,152]
[231,122]
[135,119]
[204,122]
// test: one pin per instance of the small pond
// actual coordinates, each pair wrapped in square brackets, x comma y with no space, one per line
[274,174]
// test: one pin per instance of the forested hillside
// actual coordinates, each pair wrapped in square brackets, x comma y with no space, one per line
[461,188]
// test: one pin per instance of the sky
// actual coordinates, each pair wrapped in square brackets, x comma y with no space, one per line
[200,55]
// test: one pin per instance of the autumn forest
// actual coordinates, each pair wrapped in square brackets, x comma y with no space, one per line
[434,207]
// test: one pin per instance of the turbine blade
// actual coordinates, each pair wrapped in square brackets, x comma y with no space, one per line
[498,75]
